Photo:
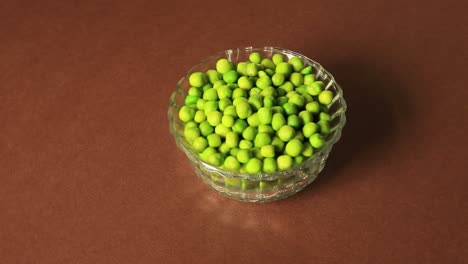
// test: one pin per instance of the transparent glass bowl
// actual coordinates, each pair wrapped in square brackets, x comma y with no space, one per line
[260,187]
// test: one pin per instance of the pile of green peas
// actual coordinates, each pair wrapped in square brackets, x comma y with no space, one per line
[261,115]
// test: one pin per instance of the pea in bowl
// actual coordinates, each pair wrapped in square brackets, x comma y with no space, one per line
[250,154]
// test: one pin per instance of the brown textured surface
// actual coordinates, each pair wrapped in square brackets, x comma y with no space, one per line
[90,174]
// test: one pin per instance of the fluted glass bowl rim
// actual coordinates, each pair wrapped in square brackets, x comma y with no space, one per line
[325,149]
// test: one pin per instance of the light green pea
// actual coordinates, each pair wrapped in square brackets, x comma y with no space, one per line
[277,110]
[249,133]
[299,135]
[324,127]
[297,100]
[302,90]
[239,100]
[313,107]
[230,76]
[206,129]
[270,72]
[305,117]
[269,91]
[314,89]
[268,64]
[243,155]
[278,79]
[307,150]
[214,118]
[296,79]
[265,129]
[233,151]
[232,164]
[206,87]
[309,79]
[217,84]
[255,91]
[255,57]
[214,140]
[191,124]
[256,101]
[299,160]
[294,121]
[201,104]
[278,144]
[263,82]
[262,139]
[223,66]
[316,140]
[186,113]
[197,79]
[213,76]
[243,110]
[241,68]
[216,159]
[269,165]
[325,97]
[284,68]
[277,58]
[191,133]
[269,101]
[307,70]
[265,115]
[232,139]
[222,130]
[207,152]
[262,74]
[293,148]
[268,151]
[196,91]
[286,133]
[245,144]
[239,126]
[230,110]
[281,100]
[308,98]
[224,149]
[199,144]
[191,100]
[284,162]
[253,166]
[296,63]
[244,83]
[290,109]
[287,86]
[278,121]
[228,121]
[199,116]
[253,120]
[210,94]
[222,92]
[223,103]
[309,129]
[324,116]
[238,93]
[251,69]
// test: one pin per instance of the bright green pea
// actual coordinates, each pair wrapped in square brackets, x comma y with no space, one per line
[286,133]
[238,93]
[217,84]
[269,91]
[309,129]
[213,76]
[230,76]
[302,90]
[307,150]
[255,57]
[191,133]
[206,87]
[278,79]
[243,110]
[206,129]
[269,165]
[308,98]
[296,79]
[265,129]
[284,68]
[268,151]
[253,120]
[195,91]
[233,151]
[269,101]
[244,83]
[228,121]
[256,153]
[249,133]
[232,139]
[291,94]
[223,66]
[277,110]
[231,164]
[214,118]
[296,63]
[309,79]
[216,159]
[270,72]
[263,82]
[207,152]
[284,162]
[223,92]
[277,58]
[268,64]
[290,109]
[297,100]
[256,101]
[307,70]
[230,110]
[278,144]
[241,68]
[314,89]
[316,140]
[245,144]
[243,155]
[324,127]
[239,100]
[210,94]
[199,144]
[287,86]
[199,116]
[239,126]
[224,148]
[223,103]
[278,121]
[201,104]
[325,97]
[294,121]
[253,166]
[262,139]
[262,74]
[214,140]
[299,160]
[299,135]
[197,79]
[186,113]
[222,130]
[191,124]
[313,107]
[280,101]
[265,115]
[305,117]
[255,91]
[251,69]
[324,116]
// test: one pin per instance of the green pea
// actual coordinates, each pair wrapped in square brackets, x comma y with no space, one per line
[206,87]
[239,126]
[278,144]
[277,58]
[268,151]
[210,94]
[222,130]
[216,159]
[293,148]
[230,76]
[199,116]
[284,162]
[256,153]
[255,91]
[291,94]
[305,117]
[230,110]
[213,76]
[217,84]
[324,127]
[262,139]
[324,116]
[244,83]
[197,79]
[307,70]
[243,155]
[223,103]
[314,89]
[256,101]
[270,72]
[214,118]
[224,149]
[206,129]
[201,104]
[298,160]
[290,109]
[199,144]
[232,164]
[195,91]
[268,64]
[278,79]
[308,98]
[309,79]
[207,152]
[263,82]
[307,150]
[262,74]
[239,100]
[186,113]
[253,120]
[316,140]
[313,107]
[241,68]
[297,100]
[249,133]
[325,97]
[238,93]
[214,140]
[233,151]
[245,144]
[227,120]
[294,121]
[223,66]
[278,121]
[269,91]
[269,101]
[296,79]
[251,69]
[281,100]
[222,92]
[265,115]
[309,129]
[287,86]
[265,129]
[255,57]
[277,110]
[302,90]
[191,124]
[286,133]
[299,135]
[191,133]
[296,63]
[232,139]
[269,165]
[243,110]
[253,166]
[284,68]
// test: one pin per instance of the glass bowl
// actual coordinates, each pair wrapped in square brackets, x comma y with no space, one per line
[261,187]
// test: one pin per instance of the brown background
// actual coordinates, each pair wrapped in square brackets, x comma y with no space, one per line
[90,174]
